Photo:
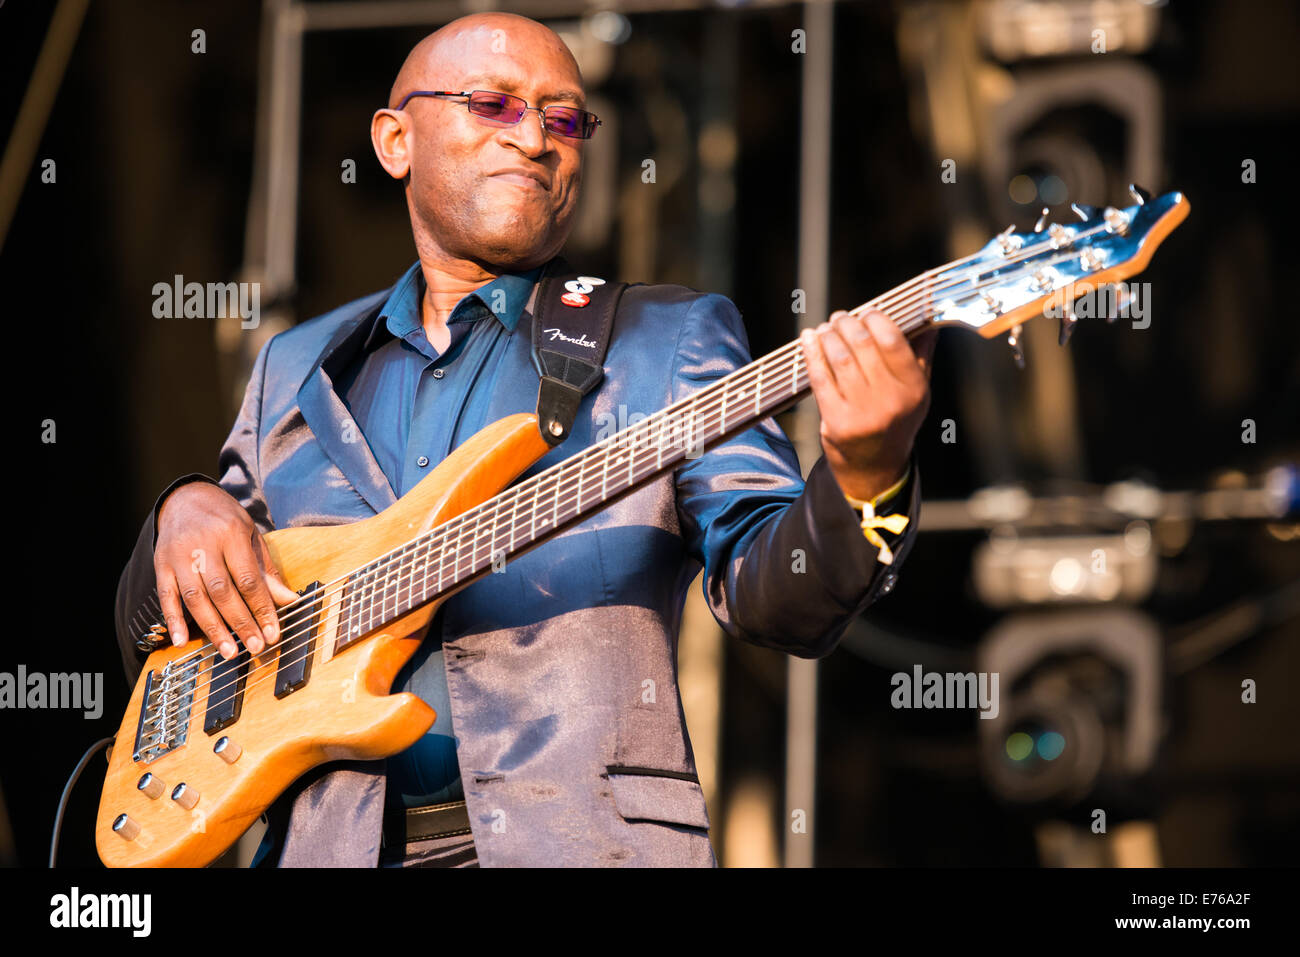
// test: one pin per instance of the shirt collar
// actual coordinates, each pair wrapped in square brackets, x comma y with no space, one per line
[504,297]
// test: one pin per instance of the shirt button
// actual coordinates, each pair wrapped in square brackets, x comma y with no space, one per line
[438,373]
[422,461]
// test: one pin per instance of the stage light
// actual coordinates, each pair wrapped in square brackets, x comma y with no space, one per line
[1019,746]
[1050,745]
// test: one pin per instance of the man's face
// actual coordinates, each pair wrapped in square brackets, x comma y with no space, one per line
[503,195]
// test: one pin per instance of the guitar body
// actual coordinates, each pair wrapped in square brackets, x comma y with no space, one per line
[344,711]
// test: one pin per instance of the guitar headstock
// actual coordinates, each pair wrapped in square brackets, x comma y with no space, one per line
[1020,276]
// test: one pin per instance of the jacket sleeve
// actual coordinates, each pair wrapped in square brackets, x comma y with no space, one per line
[137,607]
[786,564]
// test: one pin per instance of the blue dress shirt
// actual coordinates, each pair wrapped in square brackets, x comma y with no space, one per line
[403,395]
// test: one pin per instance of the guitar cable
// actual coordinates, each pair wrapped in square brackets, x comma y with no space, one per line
[67,790]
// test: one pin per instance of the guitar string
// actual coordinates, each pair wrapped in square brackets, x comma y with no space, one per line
[890,300]
[427,542]
[753,370]
[474,557]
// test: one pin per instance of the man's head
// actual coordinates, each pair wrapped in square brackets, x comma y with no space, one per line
[471,188]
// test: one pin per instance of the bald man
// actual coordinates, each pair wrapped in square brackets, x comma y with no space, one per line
[559,736]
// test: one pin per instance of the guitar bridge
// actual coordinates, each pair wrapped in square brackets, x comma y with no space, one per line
[165,711]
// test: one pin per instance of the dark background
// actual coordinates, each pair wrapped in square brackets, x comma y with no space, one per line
[154,147]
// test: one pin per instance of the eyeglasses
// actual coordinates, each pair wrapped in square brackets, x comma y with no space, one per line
[564,120]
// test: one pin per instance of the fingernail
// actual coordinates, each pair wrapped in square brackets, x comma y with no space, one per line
[227,649]
[178,639]
[272,634]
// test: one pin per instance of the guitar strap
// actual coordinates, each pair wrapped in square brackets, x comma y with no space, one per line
[573,322]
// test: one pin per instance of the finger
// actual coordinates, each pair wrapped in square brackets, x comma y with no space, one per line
[246,573]
[895,351]
[867,352]
[829,401]
[173,612]
[230,603]
[850,380]
[281,592]
[195,596]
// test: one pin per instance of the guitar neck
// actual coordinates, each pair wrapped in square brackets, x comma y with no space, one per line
[530,512]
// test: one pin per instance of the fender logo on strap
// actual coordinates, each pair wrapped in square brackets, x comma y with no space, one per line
[582,339]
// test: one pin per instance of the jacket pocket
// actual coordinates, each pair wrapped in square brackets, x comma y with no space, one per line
[650,794]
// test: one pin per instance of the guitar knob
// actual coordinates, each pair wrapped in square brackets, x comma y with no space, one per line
[125,828]
[227,750]
[185,796]
[151,786]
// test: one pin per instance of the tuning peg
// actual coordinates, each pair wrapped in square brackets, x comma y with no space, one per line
[1007,242]
[1068,321]
[1084,211]
[152,639]
[1017,348]
[1140,195]
[1042,221]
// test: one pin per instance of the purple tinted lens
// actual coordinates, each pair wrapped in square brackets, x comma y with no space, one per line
[566,121]
[497,106]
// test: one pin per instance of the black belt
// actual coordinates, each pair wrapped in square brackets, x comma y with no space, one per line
[422,823]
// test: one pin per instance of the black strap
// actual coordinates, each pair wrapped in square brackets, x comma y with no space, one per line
[573,322]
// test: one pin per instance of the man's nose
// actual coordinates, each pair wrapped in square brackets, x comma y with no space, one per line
[529,133]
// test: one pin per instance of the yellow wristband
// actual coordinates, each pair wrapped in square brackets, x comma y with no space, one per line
[871,522]
[884,496]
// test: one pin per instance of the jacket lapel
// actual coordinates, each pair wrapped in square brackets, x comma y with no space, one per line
[329,420]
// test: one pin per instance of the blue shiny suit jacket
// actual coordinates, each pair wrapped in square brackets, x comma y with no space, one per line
[562,670]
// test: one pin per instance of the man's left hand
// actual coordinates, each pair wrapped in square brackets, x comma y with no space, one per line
[873,391]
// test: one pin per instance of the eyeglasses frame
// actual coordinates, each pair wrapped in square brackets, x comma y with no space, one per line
[541,111]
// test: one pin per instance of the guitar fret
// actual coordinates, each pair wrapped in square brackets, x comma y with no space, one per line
[581,469]
[555,501]
[442,558]
[514,518]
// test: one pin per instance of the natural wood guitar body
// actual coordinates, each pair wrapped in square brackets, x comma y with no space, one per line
[344,711]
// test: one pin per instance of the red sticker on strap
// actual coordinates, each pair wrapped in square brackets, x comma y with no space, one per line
[575,299]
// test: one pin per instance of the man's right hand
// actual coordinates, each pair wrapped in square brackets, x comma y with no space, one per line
[211,556]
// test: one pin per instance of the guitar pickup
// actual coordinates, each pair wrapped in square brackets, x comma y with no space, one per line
[225,691]
[298,645]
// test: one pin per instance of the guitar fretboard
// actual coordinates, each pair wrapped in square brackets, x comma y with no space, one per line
[527,514]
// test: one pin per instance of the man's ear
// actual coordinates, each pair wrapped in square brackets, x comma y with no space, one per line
[389,130]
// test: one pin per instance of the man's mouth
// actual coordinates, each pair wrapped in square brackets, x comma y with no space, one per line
[521,177]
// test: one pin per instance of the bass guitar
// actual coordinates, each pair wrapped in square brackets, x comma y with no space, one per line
[206,745]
